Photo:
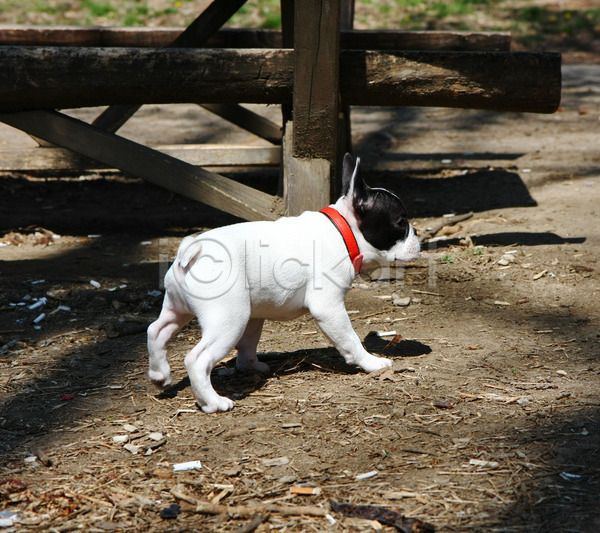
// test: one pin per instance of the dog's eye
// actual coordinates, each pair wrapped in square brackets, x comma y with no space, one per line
[402,225]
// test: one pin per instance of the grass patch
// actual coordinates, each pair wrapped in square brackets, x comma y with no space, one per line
[258,14]
[559,22]
[98,9]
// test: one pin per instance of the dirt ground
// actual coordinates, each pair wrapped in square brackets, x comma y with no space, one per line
[488,421]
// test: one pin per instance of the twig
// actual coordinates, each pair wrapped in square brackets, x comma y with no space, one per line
[448,222]
[387,310]
[251,510]
[252,525]
[417,291]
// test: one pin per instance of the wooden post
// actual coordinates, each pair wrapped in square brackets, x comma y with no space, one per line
[287,41]
[310,160]
[345,121]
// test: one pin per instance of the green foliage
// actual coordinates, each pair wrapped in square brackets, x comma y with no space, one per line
[98,9]
[564,22]
[258,14]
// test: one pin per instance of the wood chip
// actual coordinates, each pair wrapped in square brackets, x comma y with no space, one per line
[305,491]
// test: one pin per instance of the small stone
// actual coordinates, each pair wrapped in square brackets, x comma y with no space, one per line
[170,512]
[132,448]
[401,301]
[287,479]
[278,461]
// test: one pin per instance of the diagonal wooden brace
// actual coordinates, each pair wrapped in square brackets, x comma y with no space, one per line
[168,172]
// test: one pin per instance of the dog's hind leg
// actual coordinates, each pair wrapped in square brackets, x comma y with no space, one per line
[215,345]
[246,347]
[160,332]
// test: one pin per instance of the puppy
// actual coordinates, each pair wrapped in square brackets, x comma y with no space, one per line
[234,278]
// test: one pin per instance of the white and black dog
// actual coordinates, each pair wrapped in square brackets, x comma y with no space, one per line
[233,278]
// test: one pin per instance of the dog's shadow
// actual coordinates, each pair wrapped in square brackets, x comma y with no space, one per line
[237,385]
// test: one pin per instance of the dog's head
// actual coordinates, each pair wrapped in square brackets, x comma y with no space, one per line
[379,216]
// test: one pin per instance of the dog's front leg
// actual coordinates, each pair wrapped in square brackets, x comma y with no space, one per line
[334,322]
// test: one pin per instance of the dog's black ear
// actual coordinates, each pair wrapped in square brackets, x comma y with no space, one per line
[347,173]
[353,185]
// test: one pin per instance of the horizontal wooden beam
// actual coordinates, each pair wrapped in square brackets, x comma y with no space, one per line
[199,155]
[55,77]
[250,38]
[117,152]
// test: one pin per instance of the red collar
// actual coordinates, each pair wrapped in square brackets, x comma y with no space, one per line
[346,232]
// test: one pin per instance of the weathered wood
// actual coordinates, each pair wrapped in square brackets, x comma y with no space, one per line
[248,120]
[160,169]
[199,155]
[207,23]
[310,154]
[196,34]
[50,77]
[252,38]
[501,81]
[345,122]
[306,182]
[287,41]
[316,78]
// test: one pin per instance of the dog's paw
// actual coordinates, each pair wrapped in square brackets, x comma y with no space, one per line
[373,363]
[160,379]
[219,404]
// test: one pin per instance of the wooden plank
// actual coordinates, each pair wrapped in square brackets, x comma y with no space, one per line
[155,167]
[310,154]
[316,78]
[425,40]
[252,38]
[52,77]
[248,120]
[196,34]
[199,155]
[26,35]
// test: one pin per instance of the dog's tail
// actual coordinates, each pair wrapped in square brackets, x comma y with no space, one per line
[188,253]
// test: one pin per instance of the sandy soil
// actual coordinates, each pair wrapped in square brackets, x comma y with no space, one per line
[488,420]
